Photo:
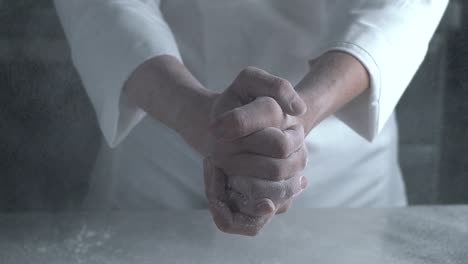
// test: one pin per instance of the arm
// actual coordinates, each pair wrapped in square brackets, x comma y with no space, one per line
[390,40]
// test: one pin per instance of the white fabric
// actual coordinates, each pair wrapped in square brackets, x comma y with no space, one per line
[391,39]
[151,167]
[108,40]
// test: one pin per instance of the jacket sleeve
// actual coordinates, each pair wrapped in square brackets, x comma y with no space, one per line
[109,39]
[391,39]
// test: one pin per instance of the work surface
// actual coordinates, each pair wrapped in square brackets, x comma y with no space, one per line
[414,235]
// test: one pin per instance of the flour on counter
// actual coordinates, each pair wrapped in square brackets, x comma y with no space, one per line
[87,240]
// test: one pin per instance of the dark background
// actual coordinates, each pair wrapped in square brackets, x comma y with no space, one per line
[49,136]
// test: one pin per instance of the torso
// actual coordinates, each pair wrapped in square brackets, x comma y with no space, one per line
[217,39]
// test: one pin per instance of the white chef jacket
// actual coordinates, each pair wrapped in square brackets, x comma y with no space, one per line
[353,154]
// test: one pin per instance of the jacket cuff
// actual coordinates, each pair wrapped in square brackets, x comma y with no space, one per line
[108,43]
[362,113]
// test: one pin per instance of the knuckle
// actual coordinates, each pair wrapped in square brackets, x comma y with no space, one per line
[254,230]
[244,75]
[281,86]
[238,120]
[272,105]
[268,101]
[283,147]
[245,72]
[248,72]
[280,83]
[277,171]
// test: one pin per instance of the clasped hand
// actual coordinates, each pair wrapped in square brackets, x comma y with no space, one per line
[252,134]
[257,154]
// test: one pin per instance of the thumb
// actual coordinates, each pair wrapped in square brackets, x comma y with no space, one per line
[253,82]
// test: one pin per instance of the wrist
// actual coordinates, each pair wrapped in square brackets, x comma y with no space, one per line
[165,89]
[194,112]
[334,80]
[194,121]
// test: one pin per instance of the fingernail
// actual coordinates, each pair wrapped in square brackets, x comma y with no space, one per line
[303,182]
[265,207]
[298,106]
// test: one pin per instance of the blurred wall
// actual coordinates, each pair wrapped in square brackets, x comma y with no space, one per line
[48,133]
[49,136]
[453,184]
[433,117]
[420,120]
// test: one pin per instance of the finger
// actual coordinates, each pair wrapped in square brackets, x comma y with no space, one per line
[249,225]
[215,183]
[226,220]
[263,207]
[262,167]
[254,82]
[251,192]
[244,120]
[283,209]
[270,142]
[240,223]
[259,207]
[214,190]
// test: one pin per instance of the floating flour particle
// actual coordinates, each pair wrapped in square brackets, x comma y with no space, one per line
[42,250]
[106,235]
[90,234]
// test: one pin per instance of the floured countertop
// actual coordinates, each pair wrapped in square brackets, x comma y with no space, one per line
[412,235]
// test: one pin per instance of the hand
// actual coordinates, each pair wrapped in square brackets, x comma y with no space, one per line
[237,113]
[227,111]
[267,163]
